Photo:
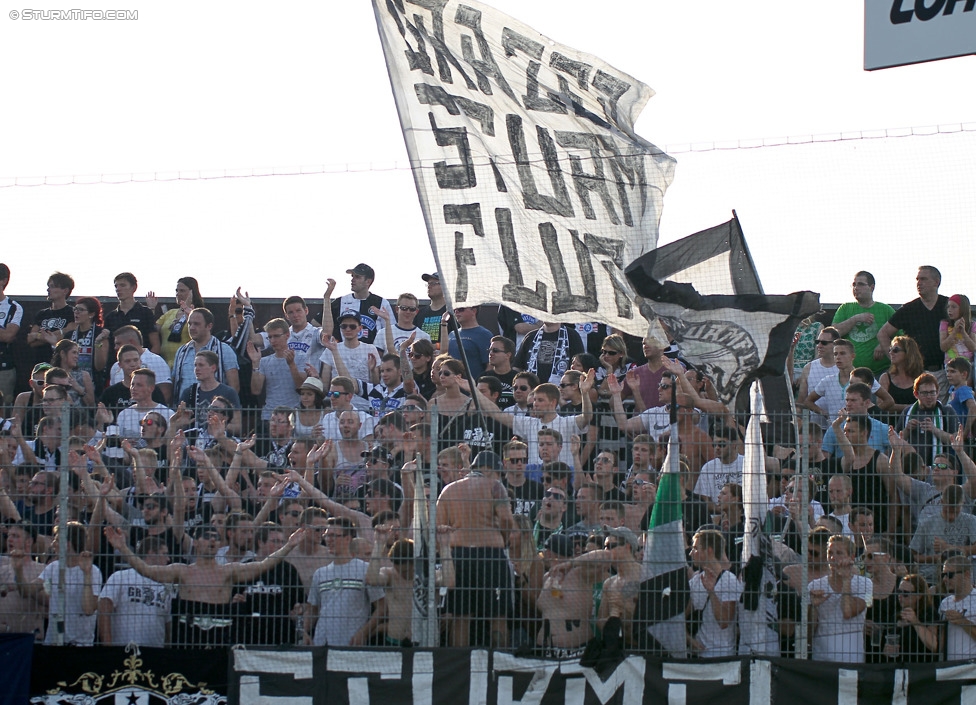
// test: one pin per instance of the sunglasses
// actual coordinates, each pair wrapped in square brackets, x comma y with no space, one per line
[521,388]
[555,495]
[333,395]
[640,483]
[567,384]
[495,351]
[609,352]
[665,386]
[410,408]
[949,575]
[349,326]
[824,342]
[408,309]
[940,466]
[516,461]
[151,422]
[415,355]
[895,349]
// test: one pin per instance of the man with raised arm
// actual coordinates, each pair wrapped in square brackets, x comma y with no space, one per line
[204,609]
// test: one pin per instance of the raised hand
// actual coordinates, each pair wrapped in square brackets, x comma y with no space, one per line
[151,301]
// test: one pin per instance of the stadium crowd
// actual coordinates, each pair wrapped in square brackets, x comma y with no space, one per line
[256,485]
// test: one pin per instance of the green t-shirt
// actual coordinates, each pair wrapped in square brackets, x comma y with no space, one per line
[864,336]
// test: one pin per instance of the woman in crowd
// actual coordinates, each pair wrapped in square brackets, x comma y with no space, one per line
[81,388]
[917,637]
[173,331]
[899,379]
[311,409]
[91,337]
[613,361]
[882,612]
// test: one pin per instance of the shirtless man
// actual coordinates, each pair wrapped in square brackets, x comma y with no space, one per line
[396,575]
[566,604]
[620,589]
[481,514]
[205,586]
[311,554]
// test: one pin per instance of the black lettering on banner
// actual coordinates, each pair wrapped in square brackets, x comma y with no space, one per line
[515,291]
[612,88]
[453,176]
[553,205]
[513,42]
[563,300]
[898,15]
[485,67]
[628,173]
[927,13]
[950,5]
[499,179]
[614,250]
[455,105]
[465,214]
[585,182]
[463,258]
[576,69]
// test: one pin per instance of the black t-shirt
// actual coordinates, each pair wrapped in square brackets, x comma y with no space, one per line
[479,431]
[507,397]
[263,617]
[366,317]
[117,397]
[140,316]
[548,349]
[51,319]
[429,321]
[527,497]
[922,324]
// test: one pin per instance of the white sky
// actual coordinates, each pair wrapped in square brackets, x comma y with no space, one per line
[207,89]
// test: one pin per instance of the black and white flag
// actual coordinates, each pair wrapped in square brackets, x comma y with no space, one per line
[733,333]
[535,188]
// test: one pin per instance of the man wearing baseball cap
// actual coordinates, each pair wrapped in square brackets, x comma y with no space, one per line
[363,301]
[429,317]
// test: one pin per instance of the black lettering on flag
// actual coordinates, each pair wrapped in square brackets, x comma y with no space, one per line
[463,257]
[614,250]
[576,69]
[465,214]
[485,67]
[585,182]
[455,105]
[454,176]
[419,59]
[514,42]
[612,88]
[515,291]
[563,299]
[499,179]
[553,205]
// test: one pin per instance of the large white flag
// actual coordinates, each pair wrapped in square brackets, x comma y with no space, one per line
[536,191]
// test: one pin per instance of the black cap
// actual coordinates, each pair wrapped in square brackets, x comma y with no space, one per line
[349,313]
[487,460]
[428,277]
[562,545]
[363,269]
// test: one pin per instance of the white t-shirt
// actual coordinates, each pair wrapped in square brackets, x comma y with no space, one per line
[717,641]
[150,361]
[400,336]
[307,346]
[343,598]
[79,628]
[528,427]
[657,421]
[356,359]
[330,425]
[714,474]
[141,608]
[129,419]
[838,639]
[959,645]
